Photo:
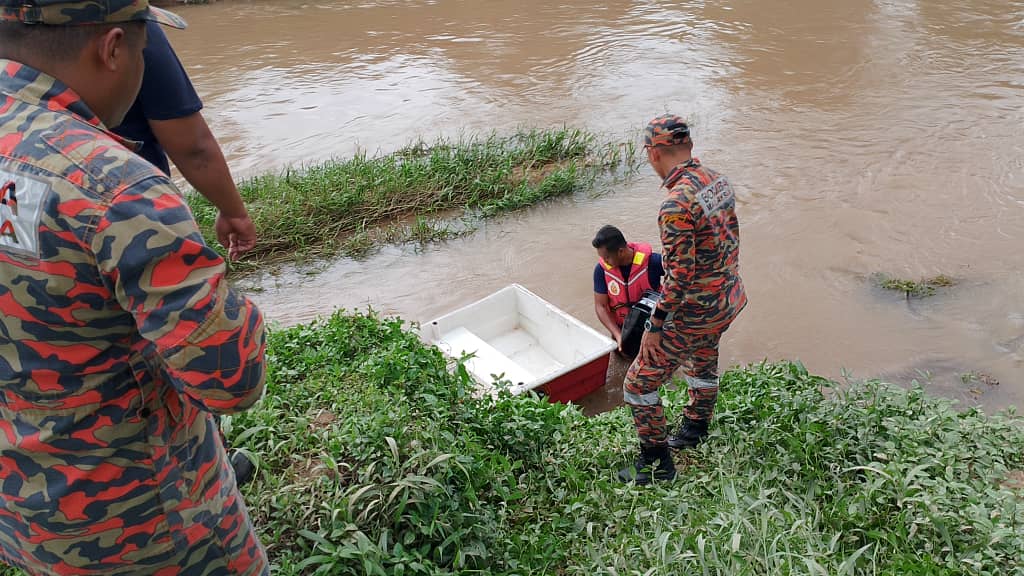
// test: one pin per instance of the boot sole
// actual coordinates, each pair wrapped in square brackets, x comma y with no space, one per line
[635,480]
[683,445]
[656,479]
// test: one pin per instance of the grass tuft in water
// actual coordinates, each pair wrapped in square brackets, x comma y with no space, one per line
[349,206]
[916,289]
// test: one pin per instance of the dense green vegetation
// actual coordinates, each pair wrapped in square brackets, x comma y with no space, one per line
[376,459]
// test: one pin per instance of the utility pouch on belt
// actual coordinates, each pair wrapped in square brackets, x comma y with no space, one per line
[633,326]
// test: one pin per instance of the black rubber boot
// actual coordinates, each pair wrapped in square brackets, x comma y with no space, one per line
[653,464]
[244,469]
[690,434]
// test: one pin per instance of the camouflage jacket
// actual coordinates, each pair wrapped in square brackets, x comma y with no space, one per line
[700,233]
[119,337]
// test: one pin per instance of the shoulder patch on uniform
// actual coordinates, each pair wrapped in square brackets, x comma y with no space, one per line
[715,195]
[21,209]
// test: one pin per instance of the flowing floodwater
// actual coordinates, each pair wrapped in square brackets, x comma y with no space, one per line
[863,136]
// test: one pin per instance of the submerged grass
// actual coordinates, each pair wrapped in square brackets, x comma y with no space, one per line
[916,288]
[375,459]
[348,206]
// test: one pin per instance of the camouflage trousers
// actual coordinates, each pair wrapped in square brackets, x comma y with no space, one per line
[697,354]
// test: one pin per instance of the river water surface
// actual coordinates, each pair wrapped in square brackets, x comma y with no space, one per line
[863,136]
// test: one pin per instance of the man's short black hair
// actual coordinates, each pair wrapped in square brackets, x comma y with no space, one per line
[610,238]
[53,43]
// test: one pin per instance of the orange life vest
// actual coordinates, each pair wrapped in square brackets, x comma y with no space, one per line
[624,292]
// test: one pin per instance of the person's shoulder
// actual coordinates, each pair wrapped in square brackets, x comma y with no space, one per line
[167,92]
[91,158]
[161,60]
[656,262]
[683,189]
[682,195]
[108,157]
[156,39]
[710,172]
[678,201]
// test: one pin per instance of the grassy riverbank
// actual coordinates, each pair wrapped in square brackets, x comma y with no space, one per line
[376,460]
[421,193]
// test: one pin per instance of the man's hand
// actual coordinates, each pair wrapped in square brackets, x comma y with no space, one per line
[237,234]
[650,348]
[618,340]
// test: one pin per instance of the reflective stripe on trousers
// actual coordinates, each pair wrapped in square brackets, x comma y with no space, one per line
[701,383]
[648,399]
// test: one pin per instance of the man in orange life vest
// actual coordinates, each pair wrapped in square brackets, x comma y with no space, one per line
[622,274]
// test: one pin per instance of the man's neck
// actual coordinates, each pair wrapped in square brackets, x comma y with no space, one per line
[678,160]
[72,75]
[668,180]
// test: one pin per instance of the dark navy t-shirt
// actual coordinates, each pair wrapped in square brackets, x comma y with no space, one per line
[654,274]
[167,94]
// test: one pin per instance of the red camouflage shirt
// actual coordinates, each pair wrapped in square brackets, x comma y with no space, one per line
[119,336]
[700,234]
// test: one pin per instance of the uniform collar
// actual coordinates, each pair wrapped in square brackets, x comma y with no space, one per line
[676,173]
[36,88]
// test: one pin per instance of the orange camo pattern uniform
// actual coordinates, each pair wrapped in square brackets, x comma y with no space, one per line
[702,293]
[119,340]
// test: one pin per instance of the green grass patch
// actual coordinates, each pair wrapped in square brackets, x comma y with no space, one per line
[422,193]
[916,288]
[376,459]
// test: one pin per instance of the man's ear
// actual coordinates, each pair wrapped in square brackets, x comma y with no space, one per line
[111,48]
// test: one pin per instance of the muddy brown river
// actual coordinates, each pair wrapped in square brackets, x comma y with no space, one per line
[864,136]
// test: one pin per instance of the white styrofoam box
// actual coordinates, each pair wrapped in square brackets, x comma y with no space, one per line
[516,333]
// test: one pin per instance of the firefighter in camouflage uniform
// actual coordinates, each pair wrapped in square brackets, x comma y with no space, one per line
[701,295]
[119,337]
